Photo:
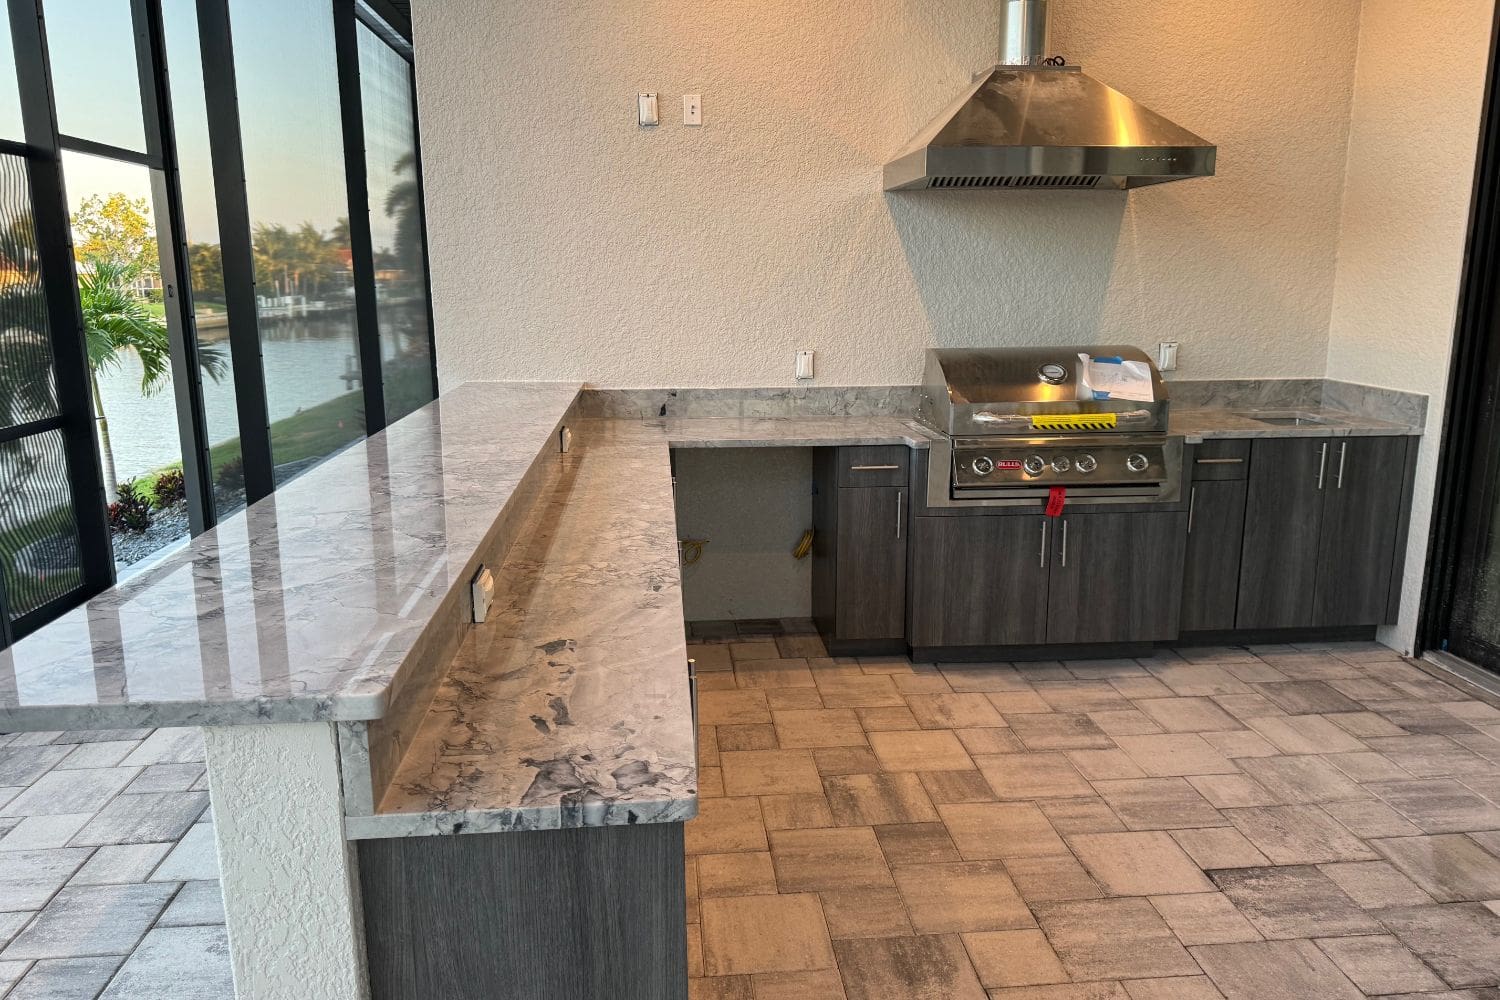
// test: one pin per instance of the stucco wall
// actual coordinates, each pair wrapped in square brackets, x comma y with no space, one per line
[568,243]
[1405,215]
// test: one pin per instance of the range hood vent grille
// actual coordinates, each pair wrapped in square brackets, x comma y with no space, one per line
[1016,182]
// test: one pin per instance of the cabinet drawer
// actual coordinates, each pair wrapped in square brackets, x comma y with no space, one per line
[877,465]
[1221,459]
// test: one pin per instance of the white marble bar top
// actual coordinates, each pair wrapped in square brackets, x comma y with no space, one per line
[1209,423]
[305,606]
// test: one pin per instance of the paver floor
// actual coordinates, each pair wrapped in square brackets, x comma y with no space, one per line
[1276,822]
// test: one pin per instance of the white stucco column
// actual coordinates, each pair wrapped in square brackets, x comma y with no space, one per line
[291,889]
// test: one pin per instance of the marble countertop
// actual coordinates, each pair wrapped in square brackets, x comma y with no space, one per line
[1208,423]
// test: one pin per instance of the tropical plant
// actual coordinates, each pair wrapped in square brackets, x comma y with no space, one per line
[129,511]
[115,320]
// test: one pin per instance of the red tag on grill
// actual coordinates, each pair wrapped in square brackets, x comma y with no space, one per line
[1055,500]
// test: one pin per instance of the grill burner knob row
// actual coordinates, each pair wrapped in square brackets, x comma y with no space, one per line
[1137,462]
[983,465]
[1061,464]
[1086,463]
[1034,465]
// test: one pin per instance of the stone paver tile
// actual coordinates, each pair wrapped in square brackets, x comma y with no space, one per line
[91,920]
[989,741]
[1139,864]
[761,649]
[864,691]
[793,699]
[769,772]
[801,645]
[1379,964]
[121,864]
[1375,884]
[1296,901]
[1176,988]
[1363,724]
[1033,776]
[1051,878]
[1233,791]
[1440,805]
[1014,958]
[803,811]
[1275,970]
[877,799]
[731,708]
[965,896]
[916,844]
[195,858]
[754,736]
[1240,744]
[923,681]
[11,973]
[1020,702]
[984,831]
[31,877]
[1140,687]
[166,778]
[1199,680]
[97,755]
[886,720]
[1102,939]
[746,873]
[817,984]
[953,711]
[1175,754]
[1125,722]
[1308,698]
[773,672]
[1298,835]
[1159,804]
[1367,766]
[143,819]
[1460,941]
[983,677]
[1060,731]
[69,978]
[1104,765]
[808,728]
[1248,706]
[1299,734]
[931,750]
[944,787]
[198,904]
[1188,715]
[1204,918]
[169,746]
[76,791]
[907,968]
[725,825]
[846,760]
[831,859]
[1370,818]
[751,934]
[1219,847]
[176,963]
[1450,867]
[1301,780]
[1082,697]
[1431,756]
[20,766]
[861,913]
[1086,814]
[710,657]
[41,832]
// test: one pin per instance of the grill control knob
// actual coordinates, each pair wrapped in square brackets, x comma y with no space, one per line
[1137,462]
[983,465]
[1061,464]
[1034,465]
[1086,463]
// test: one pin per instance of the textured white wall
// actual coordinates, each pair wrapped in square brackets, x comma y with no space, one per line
[1405,215]
[291,895]
[568,243]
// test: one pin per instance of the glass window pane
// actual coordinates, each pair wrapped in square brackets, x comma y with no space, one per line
[91,45]
[395,225]
[39,550]
[27,389]
[205,261]
[10,95]
[125,326]
[299,217]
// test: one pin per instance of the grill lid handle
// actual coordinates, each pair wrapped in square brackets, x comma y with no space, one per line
[1024,420]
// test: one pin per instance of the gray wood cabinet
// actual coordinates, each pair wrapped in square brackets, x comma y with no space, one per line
[1116,578]
[1211,570]
[1323,527]
[979,581]
[860,535]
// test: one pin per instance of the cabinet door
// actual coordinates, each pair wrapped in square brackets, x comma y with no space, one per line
[871,563]
[1117,578]
[979,581]
[1361,519]
[1283,518]
[1211,575]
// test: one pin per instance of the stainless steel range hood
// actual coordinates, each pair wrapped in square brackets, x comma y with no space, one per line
[1026,124]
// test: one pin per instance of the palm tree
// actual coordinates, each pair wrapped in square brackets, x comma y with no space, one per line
[115,319]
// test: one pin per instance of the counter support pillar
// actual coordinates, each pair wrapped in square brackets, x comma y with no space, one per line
[291,889]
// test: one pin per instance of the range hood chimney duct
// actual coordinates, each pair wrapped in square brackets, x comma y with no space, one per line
[1023,33]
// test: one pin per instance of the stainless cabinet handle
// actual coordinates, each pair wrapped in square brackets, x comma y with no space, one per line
[1044,543]
[898,513]
[1343,454]
[1221,461]
[1322,464]
[873,468]
[1065,545]
[1192,507]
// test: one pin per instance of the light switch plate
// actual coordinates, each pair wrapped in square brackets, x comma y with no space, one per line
[1166,356]
[804,365]
[692,109]
[646,110]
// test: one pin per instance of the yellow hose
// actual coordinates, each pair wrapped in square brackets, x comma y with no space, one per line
[804,547]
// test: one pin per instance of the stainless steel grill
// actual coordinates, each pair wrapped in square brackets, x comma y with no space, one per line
[1018,422]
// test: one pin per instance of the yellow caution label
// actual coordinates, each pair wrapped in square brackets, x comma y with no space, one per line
[1075,422]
